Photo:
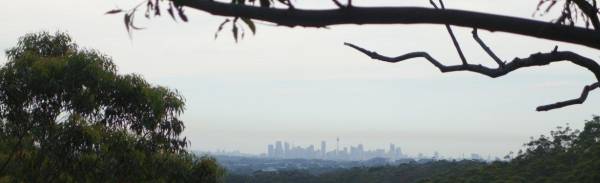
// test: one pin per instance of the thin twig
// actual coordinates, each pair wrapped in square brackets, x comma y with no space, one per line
[486,48]
[449,29]
[337,3]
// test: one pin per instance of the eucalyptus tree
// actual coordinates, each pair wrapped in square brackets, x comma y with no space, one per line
[66,115]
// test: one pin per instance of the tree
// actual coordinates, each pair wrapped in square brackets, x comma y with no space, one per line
[565,28]
[67,116]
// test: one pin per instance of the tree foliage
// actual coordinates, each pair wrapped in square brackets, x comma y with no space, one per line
[66,115]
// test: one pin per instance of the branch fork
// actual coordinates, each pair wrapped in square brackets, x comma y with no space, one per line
[537,59]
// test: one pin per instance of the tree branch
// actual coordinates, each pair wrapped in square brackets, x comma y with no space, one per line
[486,48]
[590,11]
[449,29]
[400,15]
[338,4]
[580,100]
[538,59]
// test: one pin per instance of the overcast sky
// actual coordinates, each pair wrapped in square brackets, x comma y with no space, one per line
[302,85]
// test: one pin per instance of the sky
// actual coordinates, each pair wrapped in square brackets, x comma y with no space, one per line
[302,85]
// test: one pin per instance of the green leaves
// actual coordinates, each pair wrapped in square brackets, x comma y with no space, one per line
[47,75]
[76,120]
[250,24]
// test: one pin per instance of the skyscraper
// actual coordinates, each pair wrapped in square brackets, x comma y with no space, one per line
[278,149]
[286,149]
[271,151]
[323,148]
[392,152]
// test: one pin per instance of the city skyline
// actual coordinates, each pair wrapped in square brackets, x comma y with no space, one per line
[281,149]
[285,150]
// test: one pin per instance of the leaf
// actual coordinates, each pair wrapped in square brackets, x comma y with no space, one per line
[114,11]
[221,27]
[136,27]
[250,24]
[182,15]
[157,8]
[127,21]
[149,7]
[131,25]
[234,30]
[170,11]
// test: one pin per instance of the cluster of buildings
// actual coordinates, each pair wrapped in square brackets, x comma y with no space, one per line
[283,150]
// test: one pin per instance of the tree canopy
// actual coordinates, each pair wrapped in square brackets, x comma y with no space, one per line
[66,115]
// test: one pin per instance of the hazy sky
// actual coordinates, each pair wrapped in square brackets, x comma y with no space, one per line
[302,85]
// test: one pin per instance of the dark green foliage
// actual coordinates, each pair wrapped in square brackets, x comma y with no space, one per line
[566,155]
[409,172]
[67,116]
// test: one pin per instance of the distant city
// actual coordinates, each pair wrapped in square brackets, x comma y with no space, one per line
[282,155]
[286,150]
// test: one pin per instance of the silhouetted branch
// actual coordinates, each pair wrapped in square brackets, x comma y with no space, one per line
[337,3]
[486,48]
[590,11]
[580,100]
[537,59]
[454,41]
[400,15]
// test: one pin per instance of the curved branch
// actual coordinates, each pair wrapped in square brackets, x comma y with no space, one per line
[590,11]
[580,100]
[538,59]
[400,15]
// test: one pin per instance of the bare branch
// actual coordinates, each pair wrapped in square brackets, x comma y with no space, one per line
[454,41]
[580,100]
[486,48]
[401,15]
[537,59]
[337,3]
[433,4]
[288,3]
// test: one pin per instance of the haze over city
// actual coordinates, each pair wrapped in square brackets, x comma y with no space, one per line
[280,85]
